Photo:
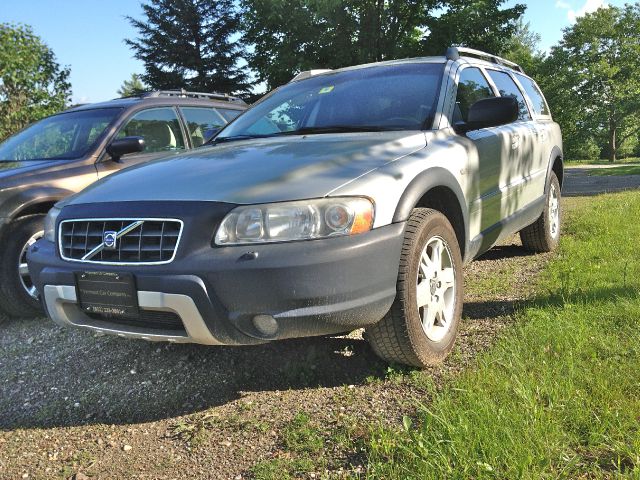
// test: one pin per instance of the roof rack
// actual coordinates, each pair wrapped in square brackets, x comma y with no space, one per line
[454,53]
[309,73]
[185,94]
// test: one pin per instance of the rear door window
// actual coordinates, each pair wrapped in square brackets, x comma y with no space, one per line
[159,127]
[535,95]
[202,123]
[472,86]
[508,88]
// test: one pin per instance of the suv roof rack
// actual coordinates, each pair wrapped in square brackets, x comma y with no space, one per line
[185,94]
[454,53]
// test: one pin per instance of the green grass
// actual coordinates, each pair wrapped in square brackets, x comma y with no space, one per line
[559,395]
[622,161]
[623,170]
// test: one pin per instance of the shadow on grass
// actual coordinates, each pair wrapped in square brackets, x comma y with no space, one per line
[497,308]
[503,252]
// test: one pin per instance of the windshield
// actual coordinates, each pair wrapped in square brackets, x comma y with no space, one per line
[386,97]
[63,136]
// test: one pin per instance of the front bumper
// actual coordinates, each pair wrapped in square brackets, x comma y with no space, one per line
[224,296]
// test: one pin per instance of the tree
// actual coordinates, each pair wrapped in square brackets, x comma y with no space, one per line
[32,83]
[523,49]
[480,24]
[132,87]
[593,78]
[293,35]
[289,36]
[191,44]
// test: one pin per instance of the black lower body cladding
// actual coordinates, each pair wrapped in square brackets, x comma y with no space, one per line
[240,294]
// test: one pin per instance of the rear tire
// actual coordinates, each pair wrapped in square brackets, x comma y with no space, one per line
[544,234]
[18,297]
[422,324]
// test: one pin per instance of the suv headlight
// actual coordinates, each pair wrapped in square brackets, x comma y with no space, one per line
[299,220]
[50,224]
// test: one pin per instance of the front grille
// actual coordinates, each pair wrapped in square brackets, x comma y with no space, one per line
[151,241]
[151,319]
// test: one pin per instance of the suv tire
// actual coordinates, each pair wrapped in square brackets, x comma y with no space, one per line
[423,335]
[544,234]
[15,299]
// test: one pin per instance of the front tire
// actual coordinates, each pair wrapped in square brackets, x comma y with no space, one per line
[544,234]
[422,324]
[18,295]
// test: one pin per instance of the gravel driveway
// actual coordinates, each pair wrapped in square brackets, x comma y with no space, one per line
[73,402]
[578,182]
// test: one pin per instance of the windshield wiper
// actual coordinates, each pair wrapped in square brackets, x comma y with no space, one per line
[307,131]
[216,140]
[337,129]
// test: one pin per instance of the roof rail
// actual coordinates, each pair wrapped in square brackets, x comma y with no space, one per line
[454,53]
[185,94]
[309,73]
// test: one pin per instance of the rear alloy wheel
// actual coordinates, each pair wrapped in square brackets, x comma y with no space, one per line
[18,294]
[421,326]
[544,234]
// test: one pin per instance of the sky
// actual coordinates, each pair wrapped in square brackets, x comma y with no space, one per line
[88,35]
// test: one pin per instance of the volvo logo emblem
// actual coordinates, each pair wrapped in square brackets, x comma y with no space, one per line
[110,240]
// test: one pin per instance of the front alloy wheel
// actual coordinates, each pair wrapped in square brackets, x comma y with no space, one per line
[421,326]
[436,289]
[23,268]
[18,295]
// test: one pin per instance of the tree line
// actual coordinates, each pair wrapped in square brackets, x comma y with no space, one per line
[591,78]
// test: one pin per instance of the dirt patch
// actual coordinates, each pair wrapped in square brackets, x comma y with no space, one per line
[72,401]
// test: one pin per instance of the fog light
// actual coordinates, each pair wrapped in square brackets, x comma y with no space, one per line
[266,325]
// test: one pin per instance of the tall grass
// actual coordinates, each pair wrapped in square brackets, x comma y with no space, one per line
[559,395]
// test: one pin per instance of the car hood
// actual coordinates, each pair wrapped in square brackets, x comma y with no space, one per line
[9,168]
[257,170]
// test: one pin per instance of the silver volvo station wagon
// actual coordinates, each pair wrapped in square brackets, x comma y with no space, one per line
[345,199]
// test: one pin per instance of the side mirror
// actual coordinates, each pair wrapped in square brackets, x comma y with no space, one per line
[489,112]
[125,145]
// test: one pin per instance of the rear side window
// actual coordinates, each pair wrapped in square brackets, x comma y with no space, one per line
[508,88]
[228,113]
[159,127]
[472,87]
[535,95]
[202,123]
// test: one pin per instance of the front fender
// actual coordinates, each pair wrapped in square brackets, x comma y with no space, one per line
[15,201]
[421,184]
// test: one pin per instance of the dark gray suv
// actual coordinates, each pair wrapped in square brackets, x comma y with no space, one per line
[64,153]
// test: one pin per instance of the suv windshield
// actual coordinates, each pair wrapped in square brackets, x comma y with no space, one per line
[63,136]
[385,97]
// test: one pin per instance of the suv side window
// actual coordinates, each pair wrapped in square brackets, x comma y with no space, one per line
[228,113]
[159,127]
[202,123]
[508,88]
[535,95]
[472,87]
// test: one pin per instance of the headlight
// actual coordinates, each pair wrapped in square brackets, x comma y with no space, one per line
[301,220]
[50,224]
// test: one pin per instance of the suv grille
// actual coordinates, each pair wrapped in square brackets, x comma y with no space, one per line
[137,240]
